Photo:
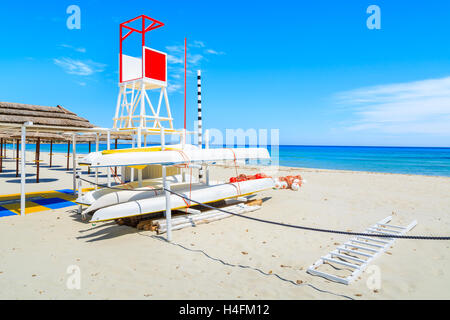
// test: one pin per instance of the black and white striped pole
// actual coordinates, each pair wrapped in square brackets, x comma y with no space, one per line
[199,101]
[199,122]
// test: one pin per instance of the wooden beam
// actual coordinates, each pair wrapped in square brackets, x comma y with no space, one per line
[68,154]
[51,152]
[89,167]
[38,150]
[1,155]
[17,157]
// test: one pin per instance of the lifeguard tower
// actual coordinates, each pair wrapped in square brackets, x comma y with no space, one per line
[135,113]
[138,75]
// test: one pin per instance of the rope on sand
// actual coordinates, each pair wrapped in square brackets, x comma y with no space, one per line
[393,236]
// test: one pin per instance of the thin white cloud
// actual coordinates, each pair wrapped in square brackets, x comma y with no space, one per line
[174,88]
[173,59]
[175,71]
[82,50]
[410,107]
[78,67]
[197,44]
[197,53]
[175,49]
[194,58]
[211,51]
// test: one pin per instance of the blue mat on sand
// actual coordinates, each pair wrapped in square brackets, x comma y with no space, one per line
[54,203]
[5,212]
[68,191]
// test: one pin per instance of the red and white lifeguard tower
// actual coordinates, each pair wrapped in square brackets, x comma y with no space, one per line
[137,75]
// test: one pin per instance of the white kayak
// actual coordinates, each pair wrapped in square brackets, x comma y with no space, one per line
[199,192]
[121,196]
[89,198]
[170,156]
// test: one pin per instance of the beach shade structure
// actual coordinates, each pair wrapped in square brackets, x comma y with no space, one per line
[32,137]
[86,138]
[27,118]
[89,139]
[6,140]
[49,118]
[37,138]
[93,138]
[3,139]
[53,117]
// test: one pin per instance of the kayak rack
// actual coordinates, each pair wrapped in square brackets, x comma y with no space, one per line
[358,252]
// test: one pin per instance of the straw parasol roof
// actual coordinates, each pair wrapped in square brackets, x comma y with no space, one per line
[60,119]
[33,136]
[18,113]
[85,138]
[9,135]
[91,138]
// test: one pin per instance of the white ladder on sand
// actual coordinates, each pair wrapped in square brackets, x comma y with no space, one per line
[359,251]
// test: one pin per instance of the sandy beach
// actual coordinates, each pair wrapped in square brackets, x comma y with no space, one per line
[233,258]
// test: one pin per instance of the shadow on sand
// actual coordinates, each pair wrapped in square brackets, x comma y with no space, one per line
[103,231]
[60,169]
[13,175]
[41,180]
[107,231]
[48,166]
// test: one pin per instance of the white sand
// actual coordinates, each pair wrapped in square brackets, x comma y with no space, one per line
[207,262]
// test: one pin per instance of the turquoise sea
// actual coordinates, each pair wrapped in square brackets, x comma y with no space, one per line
[408,160]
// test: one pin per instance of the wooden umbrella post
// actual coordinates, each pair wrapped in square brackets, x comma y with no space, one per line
[51,152]
[17,157]
[68,154]
[38,150]
[1,155]
[89,167]
[74,164]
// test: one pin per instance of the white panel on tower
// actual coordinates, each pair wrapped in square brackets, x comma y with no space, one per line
[131,68]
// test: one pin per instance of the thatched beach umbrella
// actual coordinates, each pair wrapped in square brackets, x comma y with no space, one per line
[37,138]
[3,139]
[92,138]
[33,118]
[56,119]
[41,115]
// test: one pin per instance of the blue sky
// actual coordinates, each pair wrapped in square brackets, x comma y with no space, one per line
[309,68]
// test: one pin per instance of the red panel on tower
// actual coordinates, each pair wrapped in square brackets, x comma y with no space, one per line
[155,65]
